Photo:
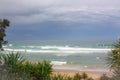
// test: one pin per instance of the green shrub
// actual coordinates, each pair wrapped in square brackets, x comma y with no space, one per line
[16,67]
[104,77]
[40,70]
[11,66]
[12,61]
[113,58]
[83,76]
[77,76]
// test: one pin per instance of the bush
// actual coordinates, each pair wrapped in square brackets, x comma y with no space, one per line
[61,77]
[15,67]
[104,77]
[42,70]
[77,76]
[113,58]
[83,76]
[12,61]
[38,71]
[10,68]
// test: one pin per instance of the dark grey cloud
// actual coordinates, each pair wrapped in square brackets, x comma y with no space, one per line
[58,19]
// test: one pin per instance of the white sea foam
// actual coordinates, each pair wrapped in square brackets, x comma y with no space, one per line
[10,45]
[69,50]
[59,49]
[58,62]
[16,50]
[66,48]
[31,47]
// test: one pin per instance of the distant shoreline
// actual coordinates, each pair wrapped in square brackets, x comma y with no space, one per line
[85,68]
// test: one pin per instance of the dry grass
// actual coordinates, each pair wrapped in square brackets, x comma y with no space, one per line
[94,74]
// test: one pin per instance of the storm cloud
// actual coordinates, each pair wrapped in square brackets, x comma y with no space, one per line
[35,11]
[72,17]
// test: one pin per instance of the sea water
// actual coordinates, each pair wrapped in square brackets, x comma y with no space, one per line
[87,54]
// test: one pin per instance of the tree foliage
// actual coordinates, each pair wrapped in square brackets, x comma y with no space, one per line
[3,25]
[114,58]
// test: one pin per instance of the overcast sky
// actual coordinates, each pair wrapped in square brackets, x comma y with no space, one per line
[62,19]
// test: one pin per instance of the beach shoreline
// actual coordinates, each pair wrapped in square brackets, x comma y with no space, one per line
[94,73]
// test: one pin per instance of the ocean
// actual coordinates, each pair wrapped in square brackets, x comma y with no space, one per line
[77,54]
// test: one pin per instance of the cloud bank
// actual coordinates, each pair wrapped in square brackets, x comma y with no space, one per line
[62,19]
[37,11]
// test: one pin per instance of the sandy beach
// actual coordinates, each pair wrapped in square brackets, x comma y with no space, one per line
[94,73]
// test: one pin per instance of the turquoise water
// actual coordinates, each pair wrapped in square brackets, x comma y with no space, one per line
[75,53]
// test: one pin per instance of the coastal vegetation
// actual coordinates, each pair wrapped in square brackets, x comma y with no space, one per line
[3,25]
[17,68]
[113,60]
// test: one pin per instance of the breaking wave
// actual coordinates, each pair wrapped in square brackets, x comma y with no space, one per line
[58,49]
